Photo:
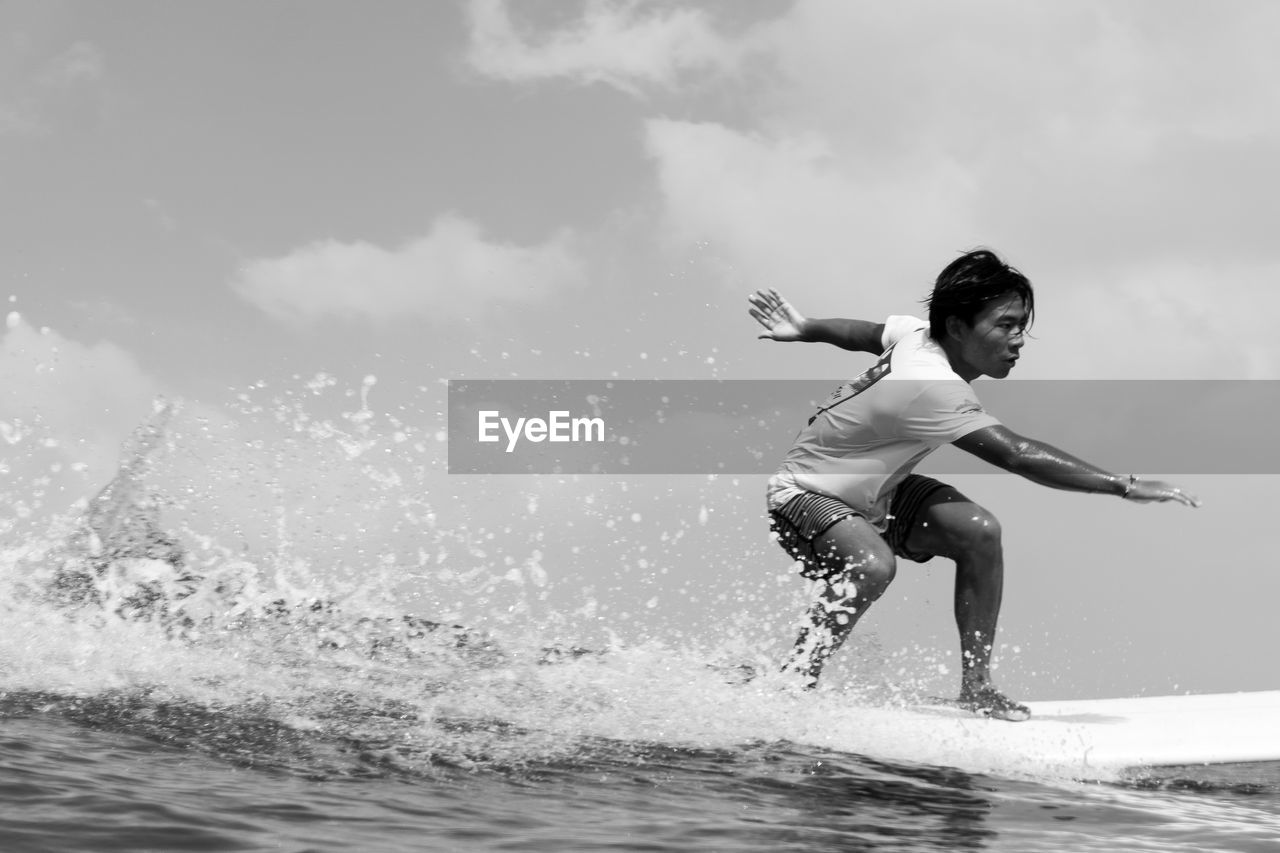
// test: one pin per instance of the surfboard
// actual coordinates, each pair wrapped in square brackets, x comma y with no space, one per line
[1151,731]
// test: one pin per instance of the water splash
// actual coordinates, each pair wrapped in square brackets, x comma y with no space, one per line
[279,589]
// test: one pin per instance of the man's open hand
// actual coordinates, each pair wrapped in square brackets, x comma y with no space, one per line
[1153,491]
[781,321]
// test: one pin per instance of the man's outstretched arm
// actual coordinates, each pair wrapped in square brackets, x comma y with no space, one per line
[782,322]
[1045,464]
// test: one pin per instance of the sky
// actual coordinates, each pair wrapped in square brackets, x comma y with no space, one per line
[334,208]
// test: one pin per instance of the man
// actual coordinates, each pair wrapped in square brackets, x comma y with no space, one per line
[845,501]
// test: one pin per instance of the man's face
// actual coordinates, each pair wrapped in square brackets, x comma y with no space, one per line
[990,346]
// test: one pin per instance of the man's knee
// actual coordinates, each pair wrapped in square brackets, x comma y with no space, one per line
[866,577]
[874,574]
[849,554]
[975,529]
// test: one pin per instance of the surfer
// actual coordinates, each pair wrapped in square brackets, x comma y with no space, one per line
[844,503]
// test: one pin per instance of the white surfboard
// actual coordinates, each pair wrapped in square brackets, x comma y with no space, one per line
[1116,733]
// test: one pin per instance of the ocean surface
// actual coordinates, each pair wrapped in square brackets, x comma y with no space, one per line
[169,683]
[129,770]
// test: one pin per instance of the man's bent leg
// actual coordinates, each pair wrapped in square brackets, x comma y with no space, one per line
[950,525]
[857,566]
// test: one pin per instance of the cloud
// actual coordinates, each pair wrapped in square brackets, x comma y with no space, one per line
[787,208]
[1121,154]
[1117,153]
[160,215]
[453,272]
[85,398]
[35,90]
[796,212]
[1177,318]
[19,119]
[81,63]
[1124,127]
[627,45]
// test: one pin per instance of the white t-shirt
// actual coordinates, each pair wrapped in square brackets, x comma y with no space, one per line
[871,432]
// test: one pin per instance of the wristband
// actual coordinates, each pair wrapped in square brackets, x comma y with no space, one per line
[1133,481]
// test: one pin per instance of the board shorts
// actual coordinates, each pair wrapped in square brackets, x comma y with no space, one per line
[807,516]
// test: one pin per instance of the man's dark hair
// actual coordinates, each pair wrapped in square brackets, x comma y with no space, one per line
[969,282]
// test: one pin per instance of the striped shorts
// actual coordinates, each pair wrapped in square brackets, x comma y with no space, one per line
[807,516]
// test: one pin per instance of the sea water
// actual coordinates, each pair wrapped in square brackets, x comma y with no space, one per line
[344,667]
[130,771]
